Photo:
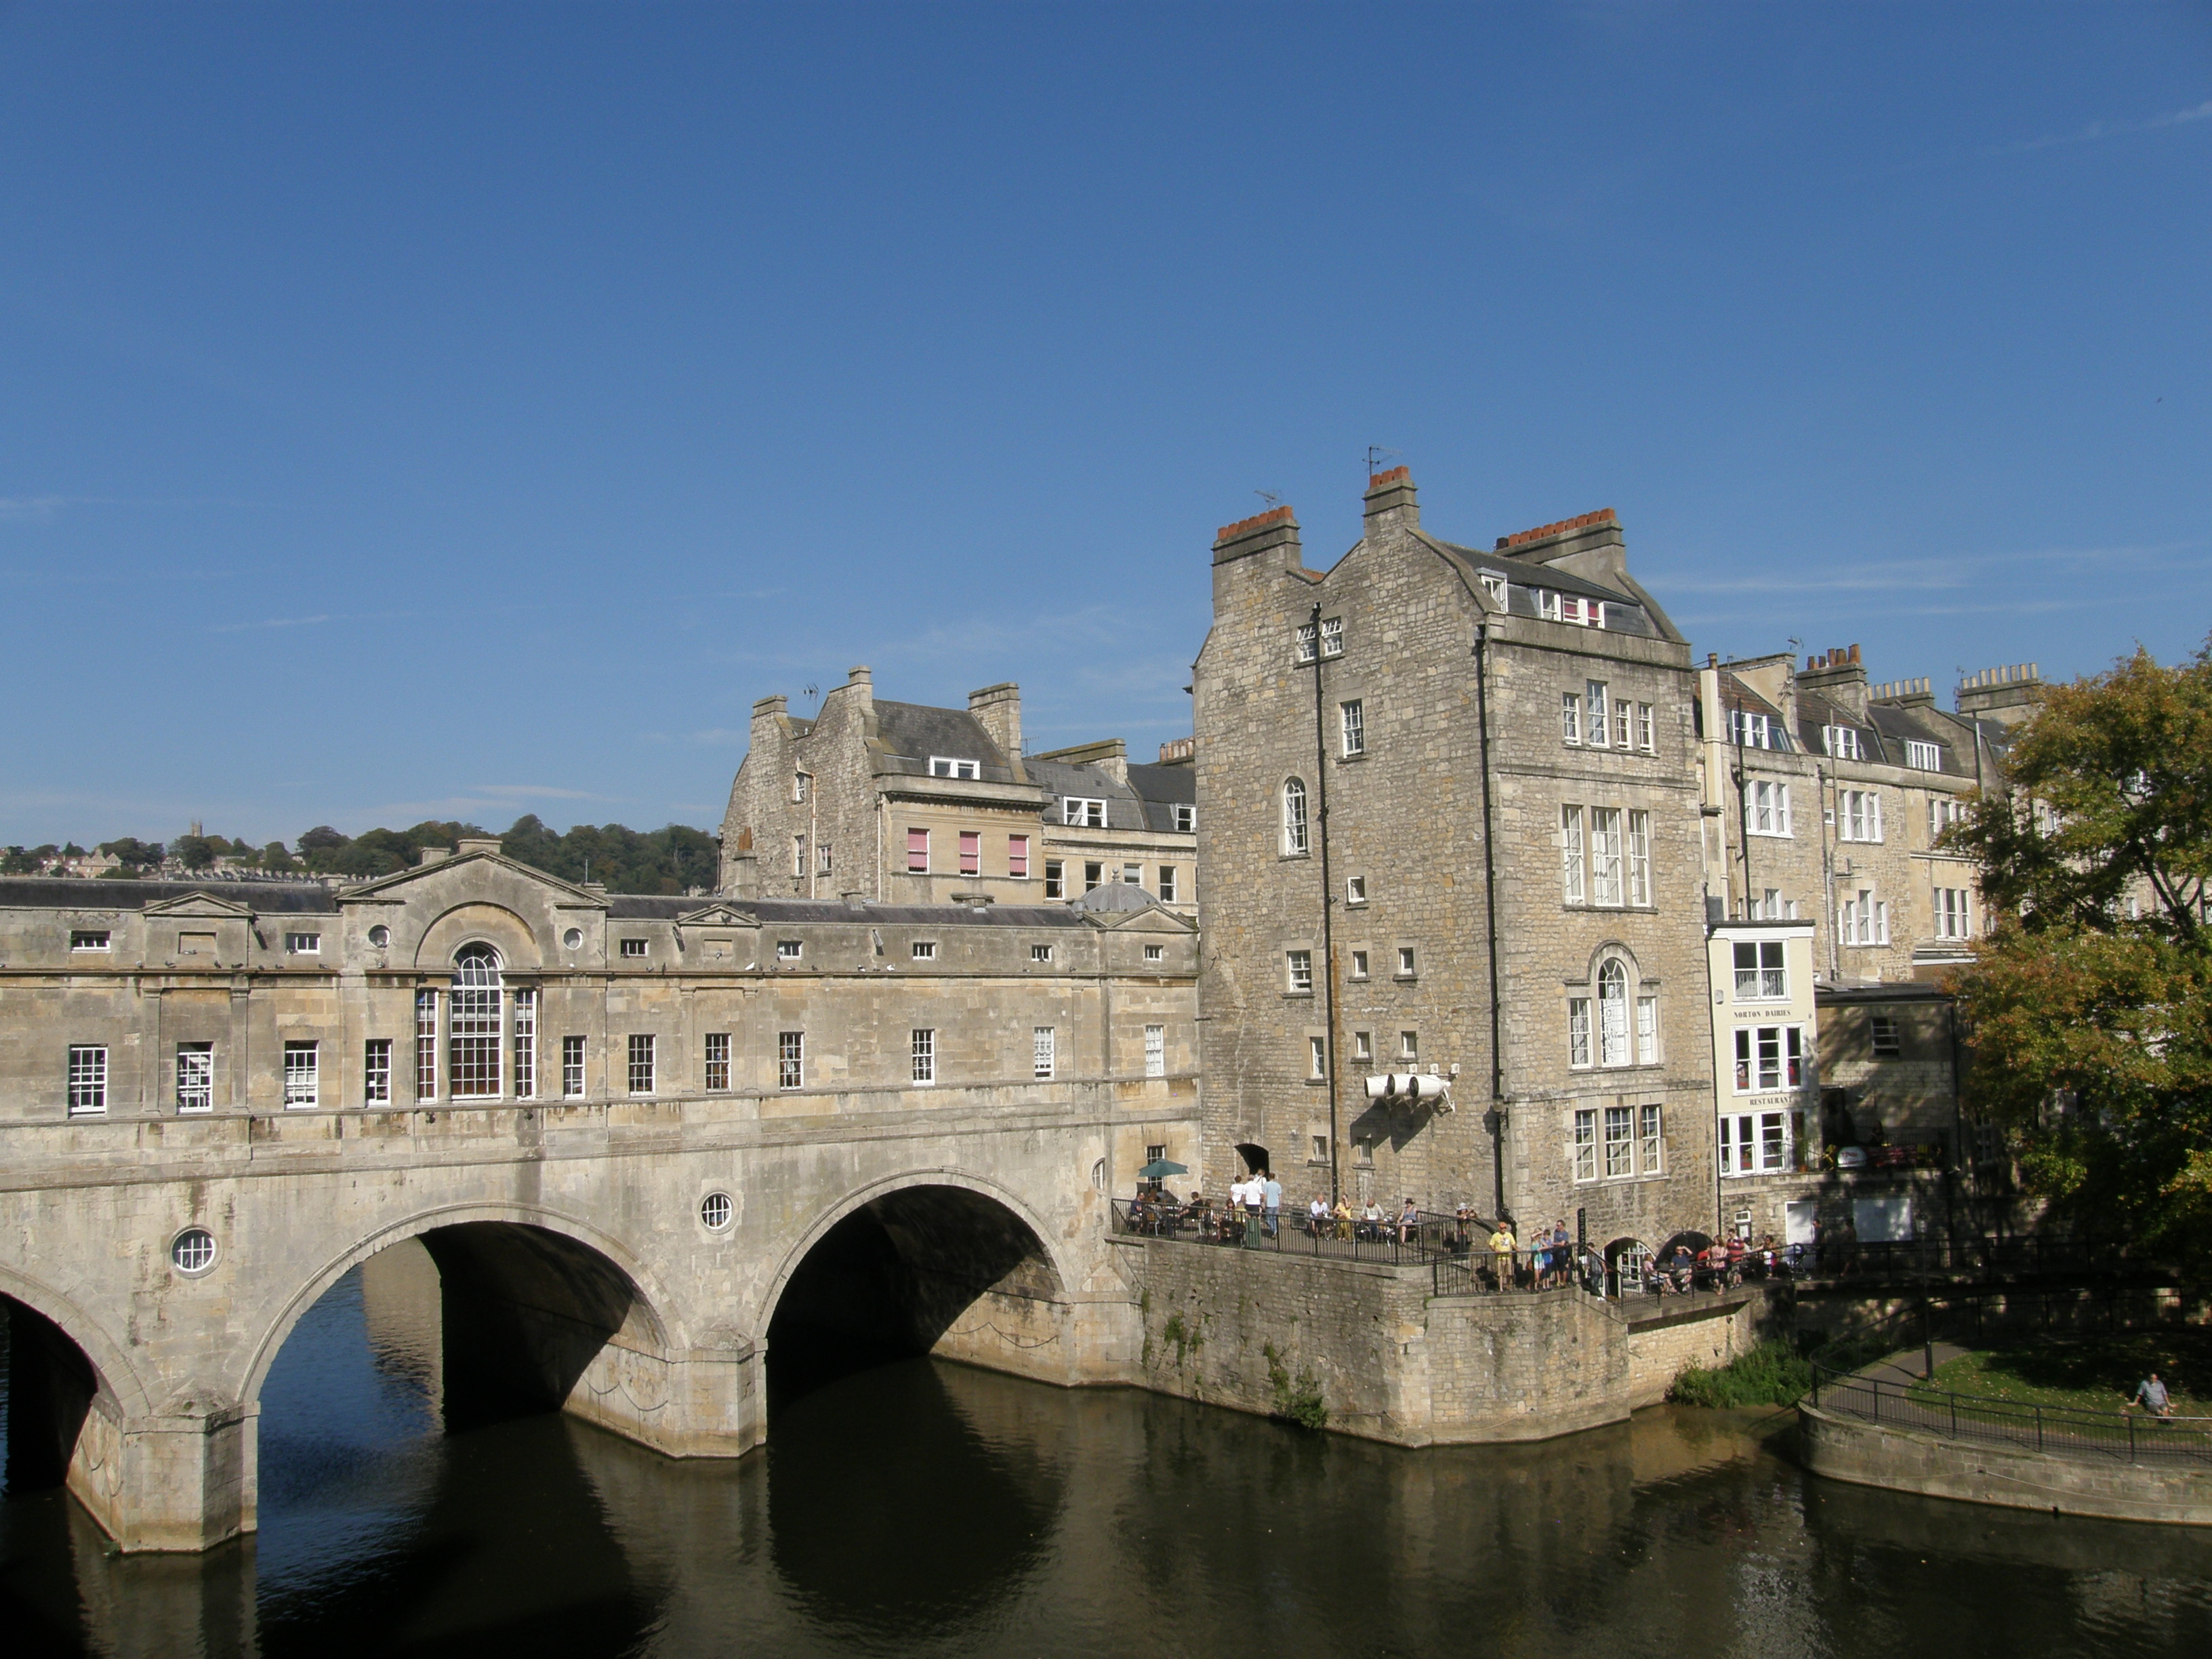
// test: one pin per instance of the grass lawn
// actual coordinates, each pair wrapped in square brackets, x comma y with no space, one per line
[2098,1374]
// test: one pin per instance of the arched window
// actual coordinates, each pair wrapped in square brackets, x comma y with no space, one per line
[474,1028]
[1613,1014]
[1294,816]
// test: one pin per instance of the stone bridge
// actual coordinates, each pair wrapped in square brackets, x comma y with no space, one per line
[633,1257]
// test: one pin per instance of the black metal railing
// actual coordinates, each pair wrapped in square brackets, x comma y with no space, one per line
[2123,1436]
[1482,1271]
[2034,1256]
[1394,1238]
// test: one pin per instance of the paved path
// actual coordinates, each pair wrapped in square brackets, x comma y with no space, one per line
[1909,1366]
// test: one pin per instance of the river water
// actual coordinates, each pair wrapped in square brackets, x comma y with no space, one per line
[921,1508]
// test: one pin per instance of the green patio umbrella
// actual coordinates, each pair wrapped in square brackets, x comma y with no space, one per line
[1159,1168]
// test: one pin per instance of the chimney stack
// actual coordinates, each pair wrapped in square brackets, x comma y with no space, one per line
[997,709]
[1391,501]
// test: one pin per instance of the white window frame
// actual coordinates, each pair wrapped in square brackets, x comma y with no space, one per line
[643,1074]
[1186,819]
[1943,811]
[1842,742]
[303,945]
[1017,858]
[1044,1052]
[1355,889]
[195,1078]
[1597,714]
[1858,816]
[1055,879]
[951,766]
[572,1066]
[1765,977]
[1651,1140]
[1082,811]
[1297,972]
[303,1074]
[1494,585]
[1297,826]
[1156,1051]
[1578,1032]
[1352,724]
[93,939]
[1954,914]
[1572,882]
[1923,756]
[522,1003]
[375,1075]
[1750,731]
[924,950]
[790,950]
[821,860]
[1606,888]
[1769,1059]
[1409,1045]
[1156,953]
[1647,728]
[923,1053]
[1359,965]
[1571,717]
[1331,637]
[1647,1031]
[1363,1047]
[917,842]
[426,1045]
[1770,809]
[1755,1143]
[716,1062]
[1612,1008]
[1316,1060]
[1619,1143]
[1167,883]
[791,1060]
[1040,953]
[1639,856]
[86,1080]
[634,950]
[1584,1144]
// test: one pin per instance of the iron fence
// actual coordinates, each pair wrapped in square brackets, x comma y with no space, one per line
[1397,1239]
[2130,1437]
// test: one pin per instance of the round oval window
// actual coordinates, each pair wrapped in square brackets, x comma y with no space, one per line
[379,936]
[715,1212]
[194,1250]
[573,938]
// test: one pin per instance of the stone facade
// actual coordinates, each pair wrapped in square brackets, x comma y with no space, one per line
[1348,870]
[908,804]
[634,1123]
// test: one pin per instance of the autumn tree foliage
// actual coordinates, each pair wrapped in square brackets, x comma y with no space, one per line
[2090,1000]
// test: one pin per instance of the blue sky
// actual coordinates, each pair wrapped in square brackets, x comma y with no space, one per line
[469,411]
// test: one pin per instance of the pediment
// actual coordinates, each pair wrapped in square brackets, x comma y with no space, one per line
[717,915]
[1155,919]
[469,869]
[199,906]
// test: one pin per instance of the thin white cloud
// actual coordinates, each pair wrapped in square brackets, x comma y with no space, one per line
[1932,572]
[2097,130]
[535,792]
[35,509]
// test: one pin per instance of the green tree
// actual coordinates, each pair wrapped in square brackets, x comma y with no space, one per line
[197,851]
[2092,1026]
[133,852]
[277,859]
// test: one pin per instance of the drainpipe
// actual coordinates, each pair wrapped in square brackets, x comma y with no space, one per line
[1827,873]
[1496,1114]
[1743,821]
[1328,901]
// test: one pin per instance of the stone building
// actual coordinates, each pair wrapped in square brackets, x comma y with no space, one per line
[1448,817]
[475,980]
[908,804]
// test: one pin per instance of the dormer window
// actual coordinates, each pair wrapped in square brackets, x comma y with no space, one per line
[1842,742]
[1751,730]
[1074,809]
[1569,608]
[1494,585]
[1924,756]
[943,766]
[1186,820]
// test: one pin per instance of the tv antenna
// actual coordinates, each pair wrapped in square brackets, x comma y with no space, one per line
[1273,497]
[1376,454]
[812,694]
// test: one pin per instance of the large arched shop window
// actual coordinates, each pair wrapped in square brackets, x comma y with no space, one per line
[1294,815]
[473,1031]
[1613,1012]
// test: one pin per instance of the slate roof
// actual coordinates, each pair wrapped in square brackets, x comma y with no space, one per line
[654,907]
[263,897]
[1161,789]
[916,731]
[1624,612]
[1125,810]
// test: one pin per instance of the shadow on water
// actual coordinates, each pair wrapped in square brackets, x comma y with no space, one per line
[920,1508]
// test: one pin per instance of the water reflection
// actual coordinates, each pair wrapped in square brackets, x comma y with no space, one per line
[922,1508]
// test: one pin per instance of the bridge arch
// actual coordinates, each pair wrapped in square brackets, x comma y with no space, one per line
[625,1278]
[898,1266]
[119,1380]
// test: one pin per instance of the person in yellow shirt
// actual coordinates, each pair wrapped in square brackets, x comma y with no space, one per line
[1501,1251]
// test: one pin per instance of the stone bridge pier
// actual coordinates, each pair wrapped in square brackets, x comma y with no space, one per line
[635,1266]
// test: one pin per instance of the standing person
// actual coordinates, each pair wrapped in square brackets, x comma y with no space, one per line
[1272,1194]
[2151,1395]
[1501,1248]
[1561,1258]
[1256,1191]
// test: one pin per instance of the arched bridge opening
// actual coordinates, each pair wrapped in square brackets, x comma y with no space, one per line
[924,1269]
[49,1389]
